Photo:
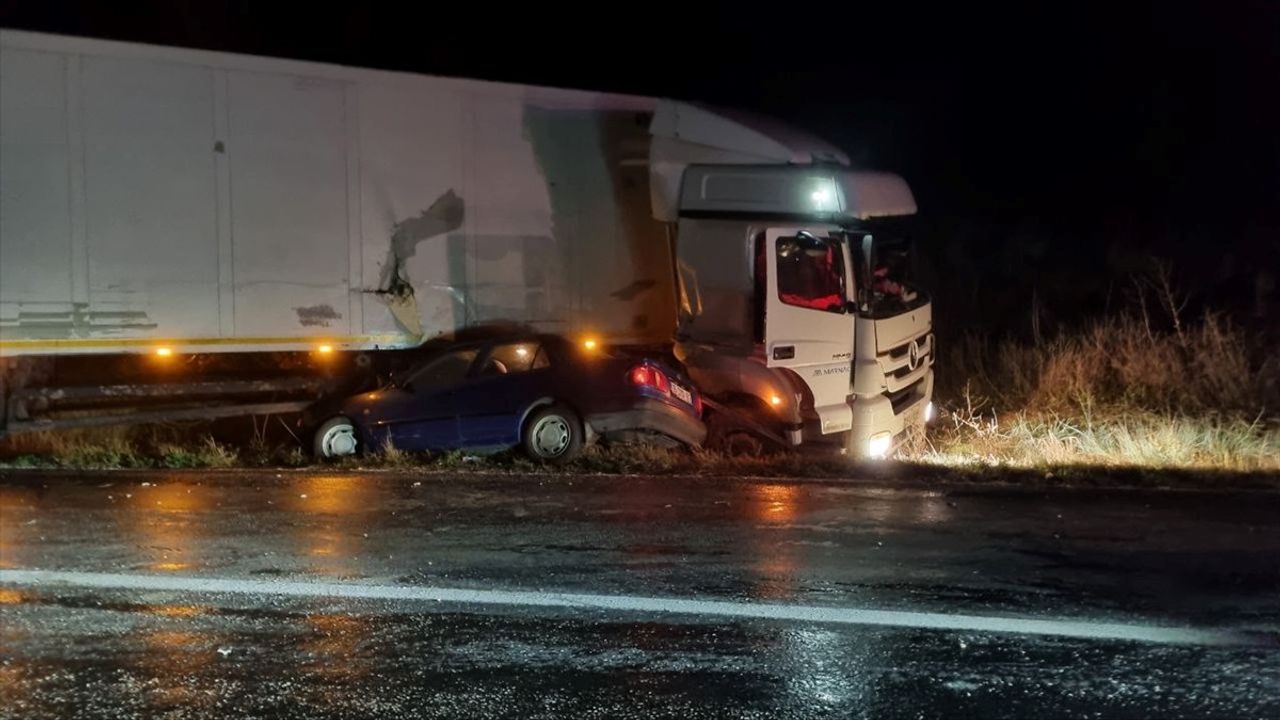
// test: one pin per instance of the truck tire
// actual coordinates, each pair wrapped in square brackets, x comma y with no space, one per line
[735,439]
[337,437]
[553,434]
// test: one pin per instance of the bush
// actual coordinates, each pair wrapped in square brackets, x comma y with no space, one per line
[1121,364]
[1122,390]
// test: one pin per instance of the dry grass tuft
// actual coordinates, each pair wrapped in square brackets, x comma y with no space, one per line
[1200,394]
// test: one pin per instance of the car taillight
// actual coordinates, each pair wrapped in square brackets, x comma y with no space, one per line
[697,404]
[646,376]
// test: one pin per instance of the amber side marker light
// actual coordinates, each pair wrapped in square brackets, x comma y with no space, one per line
[325,349]
[590,344]
[164,352]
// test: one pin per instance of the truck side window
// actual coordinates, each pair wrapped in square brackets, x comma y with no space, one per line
[810,274]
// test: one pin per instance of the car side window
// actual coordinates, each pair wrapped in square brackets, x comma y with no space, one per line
[512,358]
[446,370]
[540,359]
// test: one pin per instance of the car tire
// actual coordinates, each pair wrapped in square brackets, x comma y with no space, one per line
[336,438]
[553,434]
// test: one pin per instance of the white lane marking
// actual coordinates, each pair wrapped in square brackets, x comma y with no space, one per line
[630,603]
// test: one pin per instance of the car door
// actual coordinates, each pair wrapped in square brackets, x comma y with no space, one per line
[421,413]
[491,403]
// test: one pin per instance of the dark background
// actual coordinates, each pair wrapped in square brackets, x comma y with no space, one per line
[1055,149]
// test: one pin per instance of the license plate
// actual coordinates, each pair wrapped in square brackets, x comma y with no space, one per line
[681,393]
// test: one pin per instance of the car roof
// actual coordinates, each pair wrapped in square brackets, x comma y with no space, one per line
[442,345]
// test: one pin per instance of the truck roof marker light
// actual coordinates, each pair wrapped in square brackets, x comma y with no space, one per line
[824,197]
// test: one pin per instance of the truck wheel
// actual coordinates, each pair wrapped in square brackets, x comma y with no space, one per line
[732,439]
[553,434]
[336,438]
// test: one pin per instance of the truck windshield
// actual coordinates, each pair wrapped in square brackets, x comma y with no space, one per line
[883,266]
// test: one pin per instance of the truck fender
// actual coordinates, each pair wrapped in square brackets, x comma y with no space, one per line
[745,419]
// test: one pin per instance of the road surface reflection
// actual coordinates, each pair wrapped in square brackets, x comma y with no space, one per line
[169,519]
[332,544]
[176,657]
[774,508]
[17,507]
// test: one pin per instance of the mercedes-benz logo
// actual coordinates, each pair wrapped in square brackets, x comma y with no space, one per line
[913,355]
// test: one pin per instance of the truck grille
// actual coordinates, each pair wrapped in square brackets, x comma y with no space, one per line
[904,397]
[897,363]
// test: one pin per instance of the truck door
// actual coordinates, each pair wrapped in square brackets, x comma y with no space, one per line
[808,327]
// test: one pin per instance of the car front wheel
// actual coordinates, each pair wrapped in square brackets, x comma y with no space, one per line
[336,438]
[553,434]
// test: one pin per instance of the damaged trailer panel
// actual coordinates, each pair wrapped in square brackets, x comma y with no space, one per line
[209,202]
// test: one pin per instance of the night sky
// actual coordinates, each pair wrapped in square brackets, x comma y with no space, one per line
[1157,123]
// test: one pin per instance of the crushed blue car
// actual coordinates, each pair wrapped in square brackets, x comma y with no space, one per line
[542,393]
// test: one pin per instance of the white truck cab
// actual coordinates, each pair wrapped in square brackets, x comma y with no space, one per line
[795,309]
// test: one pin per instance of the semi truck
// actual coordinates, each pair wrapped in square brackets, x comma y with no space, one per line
[262,219]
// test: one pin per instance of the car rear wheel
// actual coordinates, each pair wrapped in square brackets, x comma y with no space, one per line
[553,434]
[336,438]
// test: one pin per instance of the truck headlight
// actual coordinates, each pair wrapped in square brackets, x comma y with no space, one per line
[878,445]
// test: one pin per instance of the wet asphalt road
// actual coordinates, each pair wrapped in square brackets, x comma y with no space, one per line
[629,597]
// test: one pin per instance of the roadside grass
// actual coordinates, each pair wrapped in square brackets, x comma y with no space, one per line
[208,453]
[961,440]
[90,448]
[118,447]
[1133,439]
[923,464]
[1128,391]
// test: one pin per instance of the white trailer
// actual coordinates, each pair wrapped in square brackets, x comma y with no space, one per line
[173,201]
